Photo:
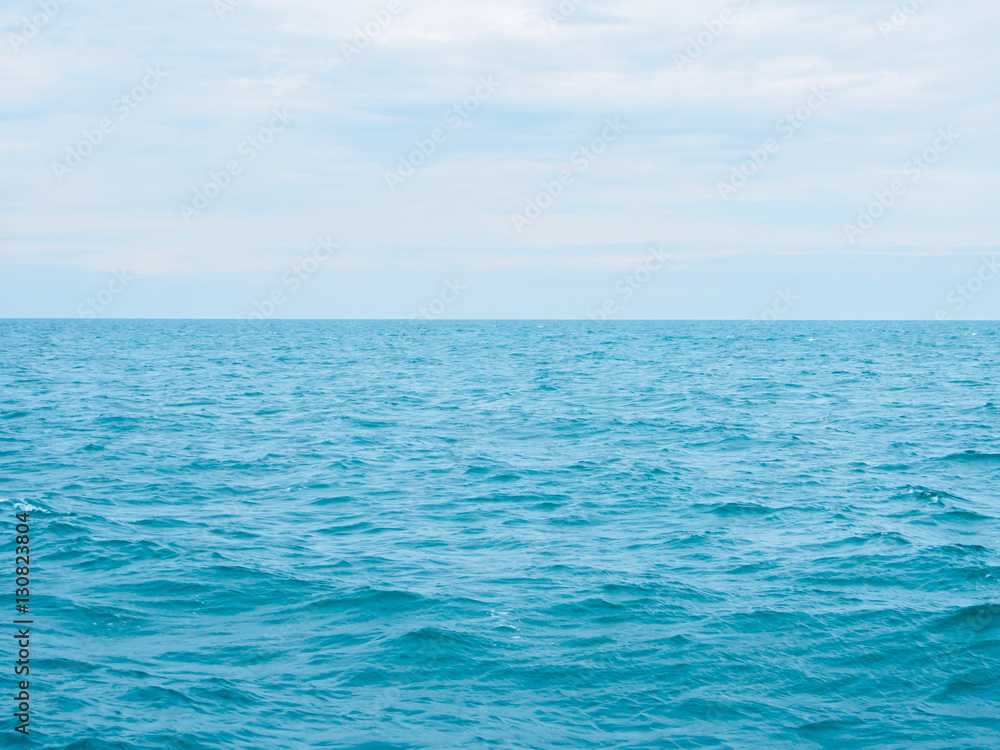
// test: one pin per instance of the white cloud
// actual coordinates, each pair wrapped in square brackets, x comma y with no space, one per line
[355,120]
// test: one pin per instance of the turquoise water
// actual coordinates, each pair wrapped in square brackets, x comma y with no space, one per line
[388,535]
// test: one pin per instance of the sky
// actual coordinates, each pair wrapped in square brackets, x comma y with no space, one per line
[589,159]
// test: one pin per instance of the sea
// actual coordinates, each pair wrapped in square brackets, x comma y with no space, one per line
[521,535]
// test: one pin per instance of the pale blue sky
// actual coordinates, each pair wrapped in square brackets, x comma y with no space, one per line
[508,97]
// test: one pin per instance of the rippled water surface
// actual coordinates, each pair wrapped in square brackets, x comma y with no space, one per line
[390,535]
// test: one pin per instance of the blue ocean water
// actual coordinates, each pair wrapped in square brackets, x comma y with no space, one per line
[396,535]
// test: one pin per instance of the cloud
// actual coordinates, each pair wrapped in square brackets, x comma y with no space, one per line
[699,85]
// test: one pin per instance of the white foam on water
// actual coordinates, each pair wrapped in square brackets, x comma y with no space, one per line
[22,505]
